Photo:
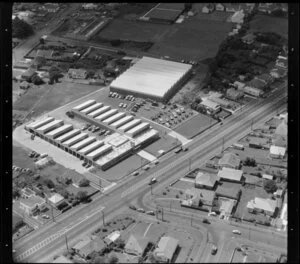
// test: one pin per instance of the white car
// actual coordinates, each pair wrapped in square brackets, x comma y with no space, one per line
[237,232]
[212,214]
[46,216]
[140,210]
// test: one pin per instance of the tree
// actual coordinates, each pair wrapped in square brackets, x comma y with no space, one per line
[250,162]
[64,193]
[278,13]
[84,183]
[37,80]
[54,74]
[120,243]
[50,184]
[81,196]
[270,186]
[21,29]
[115,42]
[16,193]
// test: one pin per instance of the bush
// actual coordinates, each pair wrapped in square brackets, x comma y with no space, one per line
[250,162]
[81,196]
[270,186]
[50,184]
[177,196]
[84,183]
[164,193]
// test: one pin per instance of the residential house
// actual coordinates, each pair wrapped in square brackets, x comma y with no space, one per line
[56,199]
[226,206]
[279,193]
[238,17]
[231,193]
[258,143]
[257,84]
[281,129]
[279,141]
[232,7]
[253,91]
[277,152]
[234,94]
[228,174]
[278,72]
[24,85]
[27,192]
[205,181]
[267,176]
[111,238]
[260,205]
[208,8]
[248,38]
[229,160]
[62,259]
[47,54]
[89,6]
[166,249]
[220,101]
[211,164]
[220,7]
[210,106]
[32,204]
[239,85]
[27,75]
[136,245]
[94,245]
[77,73]
[266,78]
[81,244]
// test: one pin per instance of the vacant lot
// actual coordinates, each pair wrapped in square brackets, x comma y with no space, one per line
[44,98]
[183,185]
[196,125]
[263,23]
[192,40]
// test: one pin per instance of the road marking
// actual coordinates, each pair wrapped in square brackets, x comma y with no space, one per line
[147,229]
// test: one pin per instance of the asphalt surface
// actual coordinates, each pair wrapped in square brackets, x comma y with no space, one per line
[115,200]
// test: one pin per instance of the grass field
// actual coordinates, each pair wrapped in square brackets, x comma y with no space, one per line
[127,30]
[195,125]
[183,185]
[264,23]
[192,40]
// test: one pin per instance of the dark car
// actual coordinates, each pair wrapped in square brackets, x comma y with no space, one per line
[36,155]
[132,207]
[205,221]
[84,164]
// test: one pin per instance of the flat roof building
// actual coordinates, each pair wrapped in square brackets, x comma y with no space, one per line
[118,140]
[40,123]
[91,108]
[75,139]
[122,121]
[91,147]
[107,114]
[146,137]
[166,248]
[84,105]
[52,125]
[100,111]
[230,174]
[98,152]
[151,78]
[130,125]
[60,131]
[83,143]
[68,135]
[137,129]
[114,118]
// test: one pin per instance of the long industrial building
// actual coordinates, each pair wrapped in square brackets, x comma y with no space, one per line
[152,78]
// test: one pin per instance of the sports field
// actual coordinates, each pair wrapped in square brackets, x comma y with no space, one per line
[264,23]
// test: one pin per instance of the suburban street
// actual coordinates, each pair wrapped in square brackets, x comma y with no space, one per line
[86,218]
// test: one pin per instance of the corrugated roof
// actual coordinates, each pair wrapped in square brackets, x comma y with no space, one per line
[166,247]
[151,76]
[230,159]
[136,244]
[206,179]
[230,174]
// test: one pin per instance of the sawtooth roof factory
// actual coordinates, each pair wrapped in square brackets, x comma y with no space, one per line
[152,78]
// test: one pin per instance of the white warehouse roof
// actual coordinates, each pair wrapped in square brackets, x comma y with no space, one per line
[51,125]
[122,121]
[68,135]
[84,105]
[91,147]
[100,111]
[98,152]
[114,118]
[107,114]
[91,108]
[137,129]
[75,139]
[40,123]
[61,130]
[150,76]
[83,143]
[130,125]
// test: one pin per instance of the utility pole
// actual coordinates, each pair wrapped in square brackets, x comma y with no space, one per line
[103,218]
[162,214]
[223,142]
[190,164]
[170,206]
[66,241]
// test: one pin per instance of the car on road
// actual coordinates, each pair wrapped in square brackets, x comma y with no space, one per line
[88,165]
[178,150]
[147,167]
[156,162]
[237,232]
[136,173]
[44,155]
[150,213]
[152,181]
[185,149]
[140,210]
[214,250]
[212,214]
[36,155]
[132,207]
[84,164]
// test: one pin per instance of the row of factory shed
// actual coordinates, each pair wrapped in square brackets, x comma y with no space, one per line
[100,153]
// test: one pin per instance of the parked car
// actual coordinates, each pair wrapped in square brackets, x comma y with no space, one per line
[150,213]
[237,232]
[132,207]
[84,164]
[147,167]
[205,221]
[214,250]
[36,155]
[44,155]
[212,214]
[46,216]
[140,210]
[185,149]
[88,165]
[120,104]
[152,181]
[136,173]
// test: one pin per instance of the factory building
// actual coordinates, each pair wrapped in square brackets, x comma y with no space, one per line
[137,129]
[130,125]
[88,149]
[76,139]
[60,131]
[100,111]
[83,143]
[91,108]
[50,126]
[122,121]
[164,78]
[106,115]
[84,105]
[68,135]
[114,118]
[39,123]
[98,152]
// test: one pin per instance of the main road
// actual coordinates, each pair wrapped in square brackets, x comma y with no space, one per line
[38,247]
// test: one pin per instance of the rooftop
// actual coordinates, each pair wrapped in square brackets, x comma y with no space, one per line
[262,204]
[56,198]
[206,179]
[230,159]
[136,244]
[166,247]
[230,174]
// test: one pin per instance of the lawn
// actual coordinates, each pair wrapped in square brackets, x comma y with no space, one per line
[192,40]
[264,23]
[195,126]
[21,159]
[183,185]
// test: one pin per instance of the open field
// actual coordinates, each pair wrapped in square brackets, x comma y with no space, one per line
[45,98]
[264,23]
[20,157]
[183,185]
[192,40]
[195,125]
[127,30]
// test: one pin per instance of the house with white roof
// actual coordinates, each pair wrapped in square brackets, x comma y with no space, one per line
[260,205]
[228,174]
[277,152]
[136,245]
[56,199]
[205,180]
[166,249]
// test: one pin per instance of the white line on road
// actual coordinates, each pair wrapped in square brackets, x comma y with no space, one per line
[147,229]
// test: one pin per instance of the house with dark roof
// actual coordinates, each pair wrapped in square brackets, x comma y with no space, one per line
[81,244]
[248,38]
[27,75]
[136,245]
[266,78]
[234,94]
[232,193]
[257,84]
[229,160]
[94,245]
[205,180]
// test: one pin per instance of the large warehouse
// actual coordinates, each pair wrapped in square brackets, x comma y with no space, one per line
[152,78]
